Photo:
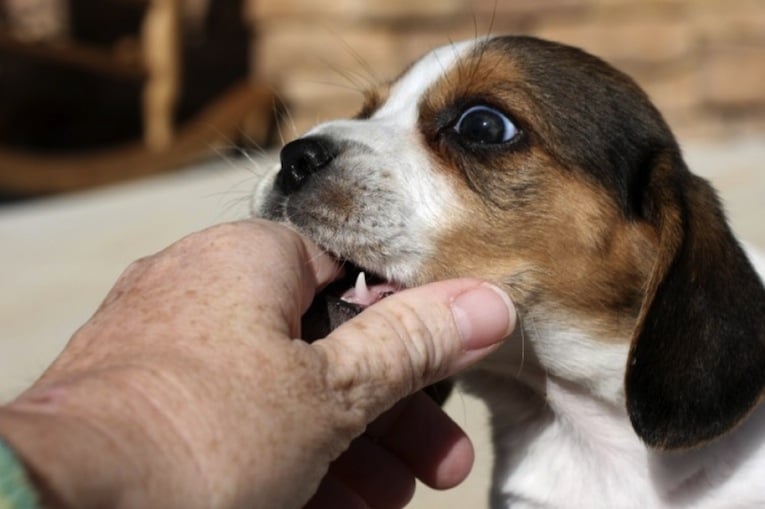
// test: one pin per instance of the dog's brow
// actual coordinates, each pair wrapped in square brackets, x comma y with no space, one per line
[411,86]
[373,99]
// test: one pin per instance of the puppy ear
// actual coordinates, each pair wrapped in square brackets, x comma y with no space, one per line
[697,361]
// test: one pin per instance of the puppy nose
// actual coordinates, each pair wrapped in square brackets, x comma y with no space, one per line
[301,159]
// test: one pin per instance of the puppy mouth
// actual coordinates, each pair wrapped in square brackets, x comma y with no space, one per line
[346,297]
[364,288]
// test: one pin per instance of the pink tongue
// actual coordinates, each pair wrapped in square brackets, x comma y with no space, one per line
[364,296]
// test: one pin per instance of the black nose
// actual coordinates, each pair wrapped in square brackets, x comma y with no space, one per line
[301,159]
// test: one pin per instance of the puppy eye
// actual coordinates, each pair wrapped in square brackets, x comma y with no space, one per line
[485,126]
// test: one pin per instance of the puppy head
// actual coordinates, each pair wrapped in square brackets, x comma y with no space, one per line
[485,158]
[542,168]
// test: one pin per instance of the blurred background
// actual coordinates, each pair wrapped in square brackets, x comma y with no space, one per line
[702,61]
[125,124]
[96,91]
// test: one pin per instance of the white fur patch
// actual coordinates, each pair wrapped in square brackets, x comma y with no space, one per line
[404,99]
[383,157]
[572,354]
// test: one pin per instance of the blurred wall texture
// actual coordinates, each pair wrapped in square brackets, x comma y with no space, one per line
[702,61]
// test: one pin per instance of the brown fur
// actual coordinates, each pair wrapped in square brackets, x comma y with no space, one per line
[544,231]
[593,208]
[373,99]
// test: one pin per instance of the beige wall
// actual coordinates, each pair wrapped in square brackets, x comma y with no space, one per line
[702,61]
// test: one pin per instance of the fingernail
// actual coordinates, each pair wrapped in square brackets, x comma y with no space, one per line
[484,316]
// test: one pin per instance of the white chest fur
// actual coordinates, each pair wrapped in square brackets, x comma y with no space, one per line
[561,444]
[569,450]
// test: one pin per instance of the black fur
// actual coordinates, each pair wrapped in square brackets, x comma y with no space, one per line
[697,365]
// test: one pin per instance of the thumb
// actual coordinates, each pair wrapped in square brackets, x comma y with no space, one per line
[412,339]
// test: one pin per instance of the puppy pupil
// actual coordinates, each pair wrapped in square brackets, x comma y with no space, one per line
[485,126]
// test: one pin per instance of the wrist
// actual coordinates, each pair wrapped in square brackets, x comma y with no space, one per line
[66,462]
[16,488]
[84,448]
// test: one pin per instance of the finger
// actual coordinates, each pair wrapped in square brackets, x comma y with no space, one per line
[296,262]
[273,265]
[412,339]
[425,438]
[246,259]
[375,474]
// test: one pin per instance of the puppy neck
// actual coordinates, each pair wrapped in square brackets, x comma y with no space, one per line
[556,346]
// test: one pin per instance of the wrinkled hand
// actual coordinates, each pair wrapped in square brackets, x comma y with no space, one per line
[187,389]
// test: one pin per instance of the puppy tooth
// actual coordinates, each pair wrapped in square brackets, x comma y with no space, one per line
[362,291]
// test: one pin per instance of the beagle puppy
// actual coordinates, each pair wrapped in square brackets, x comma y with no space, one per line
[637,374]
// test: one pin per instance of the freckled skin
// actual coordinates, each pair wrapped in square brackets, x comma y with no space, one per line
[153,323]
[188,388]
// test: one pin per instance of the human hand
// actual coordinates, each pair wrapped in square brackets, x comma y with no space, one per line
[186,389]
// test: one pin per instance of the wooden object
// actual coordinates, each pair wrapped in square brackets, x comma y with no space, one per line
[151,57]
[212,129]
[160,47]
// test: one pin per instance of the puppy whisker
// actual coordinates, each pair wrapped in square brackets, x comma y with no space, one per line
[371,77]
[520,324]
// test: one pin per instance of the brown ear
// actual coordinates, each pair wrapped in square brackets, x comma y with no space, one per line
[697,361]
